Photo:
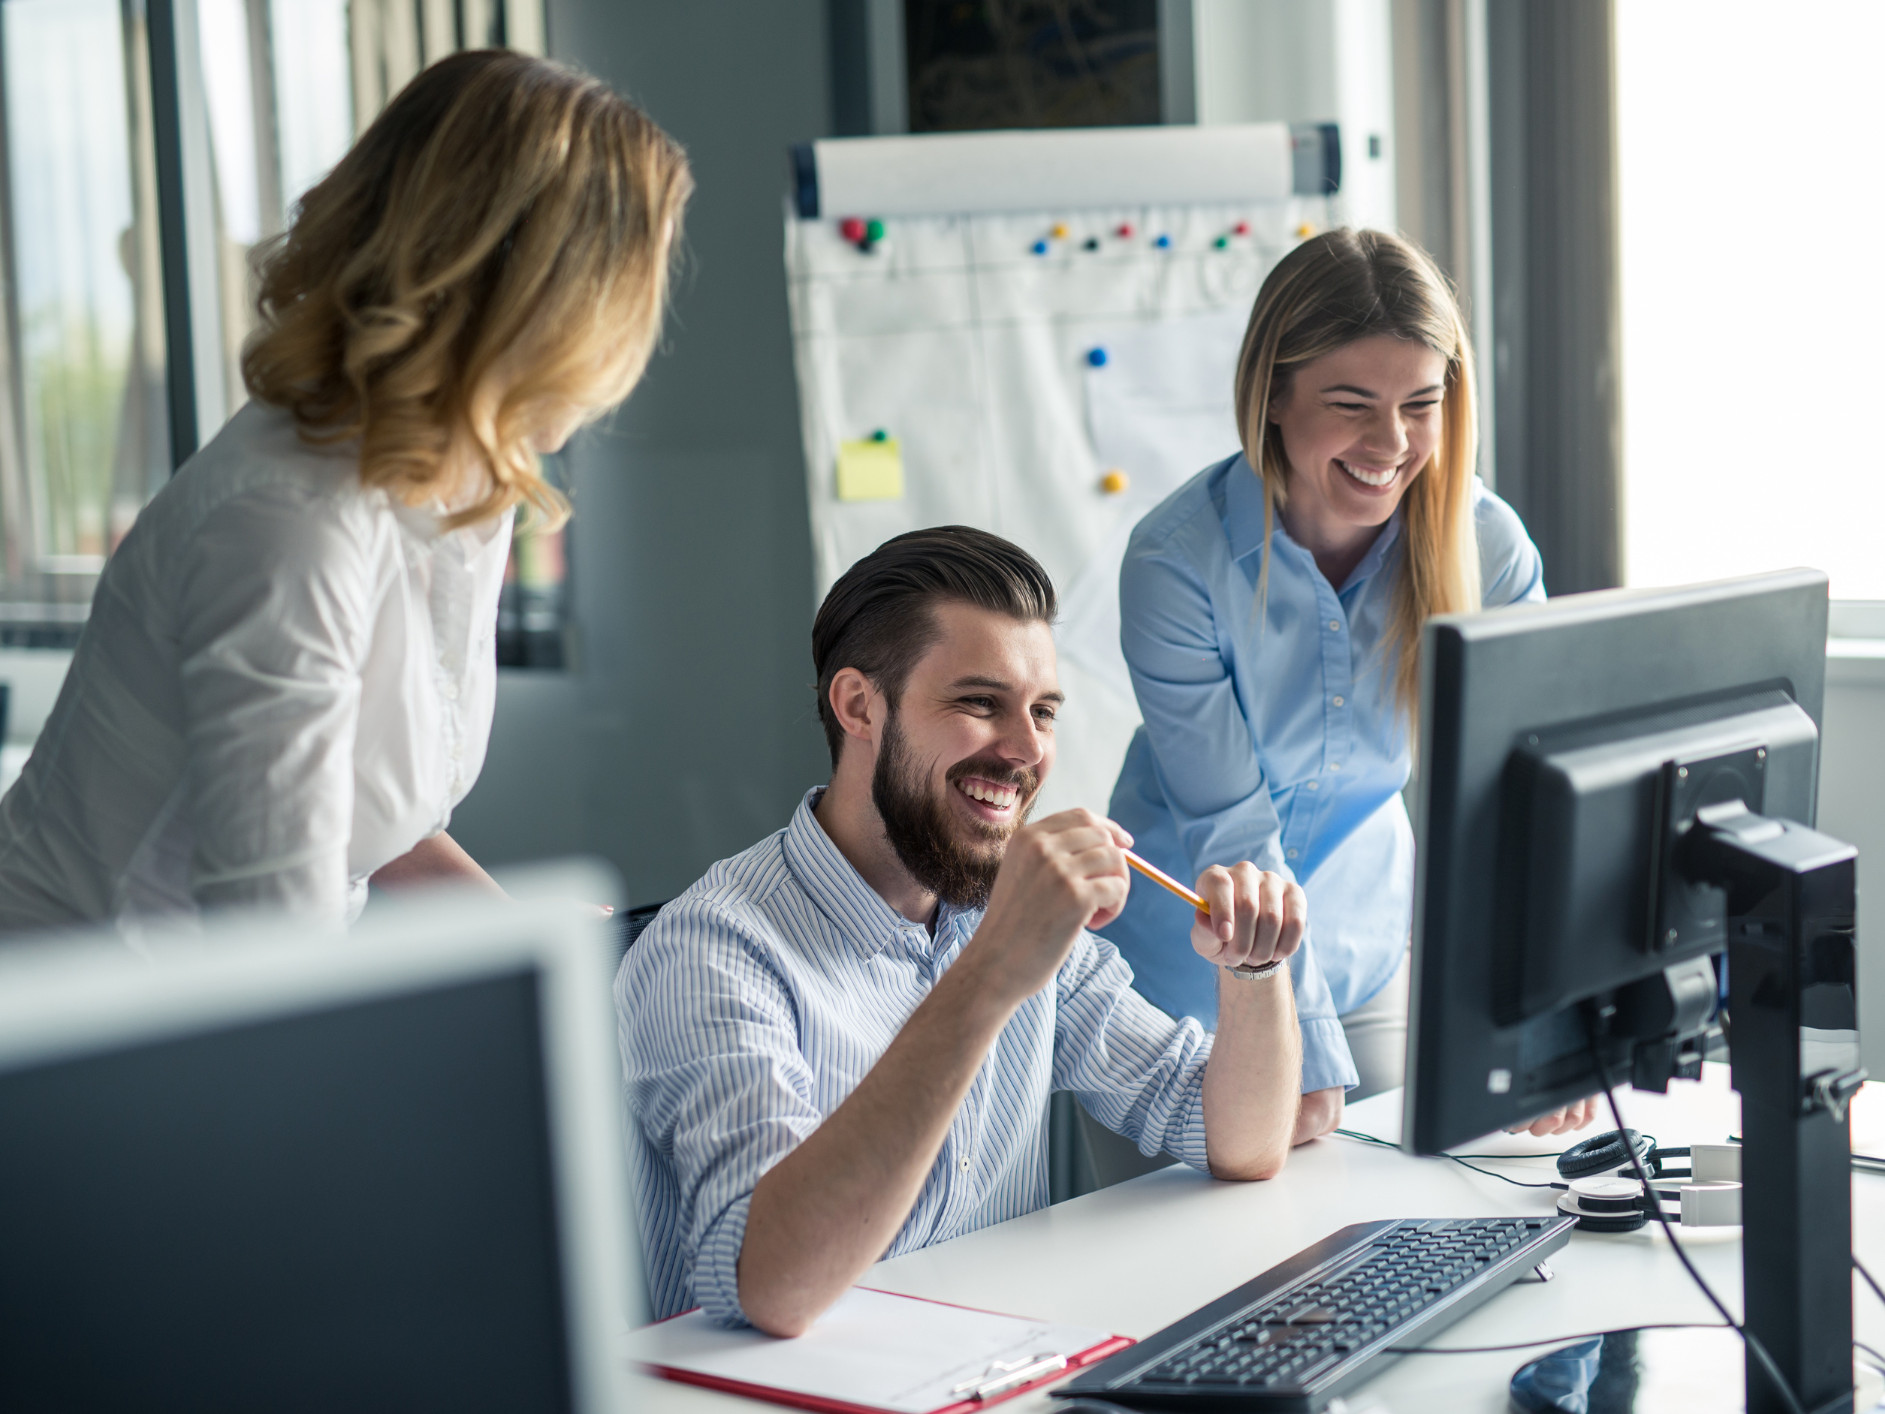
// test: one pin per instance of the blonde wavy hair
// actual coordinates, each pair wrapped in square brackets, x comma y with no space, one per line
[1328,292]
[494,249]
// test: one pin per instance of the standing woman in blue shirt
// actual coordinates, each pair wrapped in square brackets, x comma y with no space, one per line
[1271,612]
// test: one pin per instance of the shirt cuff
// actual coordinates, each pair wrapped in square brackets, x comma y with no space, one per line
[1326,1062]
[717,1266]
[1189,1146]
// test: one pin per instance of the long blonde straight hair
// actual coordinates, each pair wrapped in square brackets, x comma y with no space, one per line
[504,215]
[1328,292]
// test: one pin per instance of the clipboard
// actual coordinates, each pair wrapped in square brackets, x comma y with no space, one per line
[876,1352]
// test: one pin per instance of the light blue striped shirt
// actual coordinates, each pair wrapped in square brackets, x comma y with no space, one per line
[1275,738]
[758,999]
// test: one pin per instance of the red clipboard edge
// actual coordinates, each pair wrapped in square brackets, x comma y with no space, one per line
[773,1395]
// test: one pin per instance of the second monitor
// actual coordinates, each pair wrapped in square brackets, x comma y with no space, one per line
[1616,801]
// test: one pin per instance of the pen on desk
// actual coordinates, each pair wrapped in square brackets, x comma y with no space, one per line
[1166,881]
[1027,1373]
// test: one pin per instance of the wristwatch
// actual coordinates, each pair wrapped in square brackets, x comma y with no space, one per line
[1247,973]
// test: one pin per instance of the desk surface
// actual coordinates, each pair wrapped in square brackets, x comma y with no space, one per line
[1138,1256]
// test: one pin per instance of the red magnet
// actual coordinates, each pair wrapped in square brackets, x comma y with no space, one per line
[852,228]
[1125,231]
[1242,228]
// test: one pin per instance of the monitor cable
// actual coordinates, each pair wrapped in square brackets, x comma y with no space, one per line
[1555,1339]
[1456,1158]
[1748,1338]
[1870,1281]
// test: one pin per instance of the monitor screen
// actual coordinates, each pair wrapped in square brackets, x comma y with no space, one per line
[347,1207]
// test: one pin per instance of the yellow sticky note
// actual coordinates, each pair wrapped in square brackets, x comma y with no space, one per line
[870,471]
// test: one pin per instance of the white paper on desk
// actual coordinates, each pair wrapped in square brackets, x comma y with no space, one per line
[871,1348]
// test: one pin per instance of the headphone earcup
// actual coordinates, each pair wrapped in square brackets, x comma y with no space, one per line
[1620,1222]
[1601,1153]
[1605,1205]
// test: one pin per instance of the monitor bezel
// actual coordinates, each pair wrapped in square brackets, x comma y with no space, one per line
[79,993]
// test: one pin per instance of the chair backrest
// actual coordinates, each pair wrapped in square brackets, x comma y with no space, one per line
[628,925]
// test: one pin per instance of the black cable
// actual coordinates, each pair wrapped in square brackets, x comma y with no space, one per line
[1878,1361]
[1516,1183]
[1388,1144]
[1869,1281]
[1752,1341]
[1551,1339]
[1368,1138]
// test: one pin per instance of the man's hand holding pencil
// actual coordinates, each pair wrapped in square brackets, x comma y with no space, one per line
[1245,917]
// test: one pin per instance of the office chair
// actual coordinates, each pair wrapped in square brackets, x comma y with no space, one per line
[626,925]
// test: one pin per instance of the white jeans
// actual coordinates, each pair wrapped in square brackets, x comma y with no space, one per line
[1377,1037]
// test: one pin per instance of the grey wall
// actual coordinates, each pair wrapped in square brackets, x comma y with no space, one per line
[687,731]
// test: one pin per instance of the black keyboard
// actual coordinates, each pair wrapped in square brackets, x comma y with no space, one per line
[1317,1325]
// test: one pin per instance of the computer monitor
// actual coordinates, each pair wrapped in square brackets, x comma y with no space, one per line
[1615,795]
[271,1169]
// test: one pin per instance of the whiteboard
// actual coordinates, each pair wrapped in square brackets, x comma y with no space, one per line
[954,337]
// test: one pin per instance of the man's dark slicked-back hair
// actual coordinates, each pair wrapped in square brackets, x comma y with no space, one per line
[880,616]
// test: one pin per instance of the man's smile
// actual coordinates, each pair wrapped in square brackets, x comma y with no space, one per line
[989,800]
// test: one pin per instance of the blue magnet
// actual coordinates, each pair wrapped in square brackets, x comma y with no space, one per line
[1096,357]
[1163,242]
[1039,247]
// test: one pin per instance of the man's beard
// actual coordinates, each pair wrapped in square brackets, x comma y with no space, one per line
[922,831]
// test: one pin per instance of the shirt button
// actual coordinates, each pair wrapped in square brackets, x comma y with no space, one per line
[1335,765]
[1339,701]
[965,1163]
[1291,853]
[1313,785]
[1335,625]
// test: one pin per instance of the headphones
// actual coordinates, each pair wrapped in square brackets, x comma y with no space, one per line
[1606,1204]
[1611,1153]
[1604,1194]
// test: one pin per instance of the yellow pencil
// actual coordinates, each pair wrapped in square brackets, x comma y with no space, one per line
[1166,881]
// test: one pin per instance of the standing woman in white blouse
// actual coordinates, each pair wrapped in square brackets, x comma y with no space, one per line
[287,679]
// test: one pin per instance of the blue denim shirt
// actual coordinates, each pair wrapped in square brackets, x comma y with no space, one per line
[1275,739]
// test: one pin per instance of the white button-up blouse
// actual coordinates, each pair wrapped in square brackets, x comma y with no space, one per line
[286,683]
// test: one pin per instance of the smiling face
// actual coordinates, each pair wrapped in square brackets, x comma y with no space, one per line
[1357,426]
[961,760]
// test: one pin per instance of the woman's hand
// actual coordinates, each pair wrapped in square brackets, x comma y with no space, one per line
[1573,1116]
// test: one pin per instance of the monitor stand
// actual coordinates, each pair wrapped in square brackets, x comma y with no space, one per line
[1787,893]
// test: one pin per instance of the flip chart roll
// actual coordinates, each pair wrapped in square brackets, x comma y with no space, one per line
[1068,169]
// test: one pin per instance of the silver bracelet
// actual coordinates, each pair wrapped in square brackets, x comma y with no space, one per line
[1247,973]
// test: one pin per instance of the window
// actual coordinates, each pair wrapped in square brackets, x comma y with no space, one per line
[1748,203]
[83,438]
[281,88]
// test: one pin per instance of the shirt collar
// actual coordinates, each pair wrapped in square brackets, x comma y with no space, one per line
[854,908]
[1243,522]
[1243,507]
[1377,553]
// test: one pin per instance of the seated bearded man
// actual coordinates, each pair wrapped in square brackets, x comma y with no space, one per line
[838,1045]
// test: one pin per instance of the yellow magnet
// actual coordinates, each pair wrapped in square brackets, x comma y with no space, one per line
[1305,231]
[1060,230]
[1114,482]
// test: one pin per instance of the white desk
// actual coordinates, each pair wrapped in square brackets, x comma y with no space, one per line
[1137,1257]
